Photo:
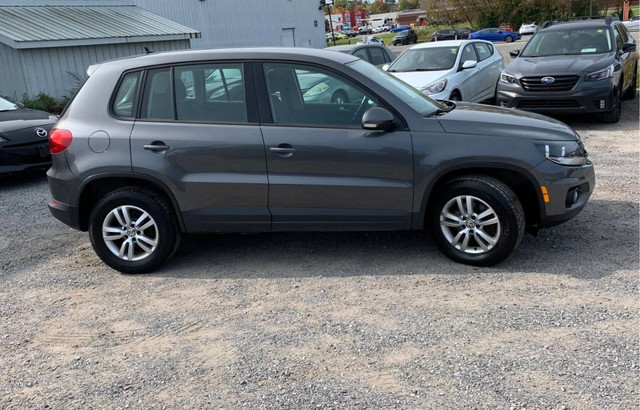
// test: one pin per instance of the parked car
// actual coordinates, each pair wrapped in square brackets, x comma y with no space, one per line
[458,70]
[375,54]
[494,34]
[450,34]
[633,24]
[400,28]
[476,176]
[349,33]
[530,28]
[405,37]
[337,35]
[586,66]
[24,142]
[371,40]
[507,27]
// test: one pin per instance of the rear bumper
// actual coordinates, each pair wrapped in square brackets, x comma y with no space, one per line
[65,213]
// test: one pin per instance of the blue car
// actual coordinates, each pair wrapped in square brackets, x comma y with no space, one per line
[399,29]
[494,34]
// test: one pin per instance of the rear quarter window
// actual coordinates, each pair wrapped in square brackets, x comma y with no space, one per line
[124,102]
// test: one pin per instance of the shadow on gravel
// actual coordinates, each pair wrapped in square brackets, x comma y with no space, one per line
[598,242]
[13,181]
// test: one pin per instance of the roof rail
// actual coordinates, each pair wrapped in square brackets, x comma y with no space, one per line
[607,20]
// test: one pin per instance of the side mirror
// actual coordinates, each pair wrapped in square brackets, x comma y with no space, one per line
[378,119]
[385,67]
[469,64]
[514,53]
[21,105]
[629,47]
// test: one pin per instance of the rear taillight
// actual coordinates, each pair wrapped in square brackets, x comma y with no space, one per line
[59,140]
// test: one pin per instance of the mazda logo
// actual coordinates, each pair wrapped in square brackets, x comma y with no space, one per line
[547,80]
[41,132]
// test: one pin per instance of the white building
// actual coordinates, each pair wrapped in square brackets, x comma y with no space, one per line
[46,45]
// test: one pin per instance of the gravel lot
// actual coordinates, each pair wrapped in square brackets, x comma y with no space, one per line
[330,320]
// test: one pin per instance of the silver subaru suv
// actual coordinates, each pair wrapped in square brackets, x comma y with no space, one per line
[256,140]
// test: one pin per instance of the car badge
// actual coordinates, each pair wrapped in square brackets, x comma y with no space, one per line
[41,132]
[548,80]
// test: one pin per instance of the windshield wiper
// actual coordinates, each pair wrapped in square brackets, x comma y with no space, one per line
[440,111]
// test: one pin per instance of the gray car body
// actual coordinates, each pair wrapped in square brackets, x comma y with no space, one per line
[223,177]
[584,93]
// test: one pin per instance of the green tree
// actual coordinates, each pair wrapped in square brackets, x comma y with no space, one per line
[407,4]
[379,6]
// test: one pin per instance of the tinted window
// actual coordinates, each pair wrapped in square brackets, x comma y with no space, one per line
[361,53]
[378,56]
[123,103]
[484,50]
[309,95]
[210,92]
[620,37]
[157,103]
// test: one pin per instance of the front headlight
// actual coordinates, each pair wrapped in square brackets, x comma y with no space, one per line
[563,152]
[434,88]
[316,89]
[508,79]
[600,74]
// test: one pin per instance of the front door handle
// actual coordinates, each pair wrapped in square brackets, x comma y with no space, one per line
[156,146]
[283,150]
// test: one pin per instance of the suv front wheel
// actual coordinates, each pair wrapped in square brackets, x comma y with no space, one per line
[477,220]
[133,231]
[613,116]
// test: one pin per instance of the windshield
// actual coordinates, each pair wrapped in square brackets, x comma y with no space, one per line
[412,97]
[7,105]
[569,42]
[425,59]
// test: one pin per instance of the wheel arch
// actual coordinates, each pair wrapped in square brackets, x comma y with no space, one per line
[518,179]
[97,186]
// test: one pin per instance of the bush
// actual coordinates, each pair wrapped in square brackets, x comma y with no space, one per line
[44,102]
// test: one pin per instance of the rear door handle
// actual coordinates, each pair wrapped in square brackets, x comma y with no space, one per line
[156,146]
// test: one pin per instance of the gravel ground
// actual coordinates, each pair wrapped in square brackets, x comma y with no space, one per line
[333,320]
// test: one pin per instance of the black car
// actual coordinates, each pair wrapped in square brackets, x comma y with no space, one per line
[405,37]
[451,34]
[585,66]
[24,142]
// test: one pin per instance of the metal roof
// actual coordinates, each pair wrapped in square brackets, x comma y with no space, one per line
[62,26]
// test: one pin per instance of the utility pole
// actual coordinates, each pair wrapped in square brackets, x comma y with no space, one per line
[328,3]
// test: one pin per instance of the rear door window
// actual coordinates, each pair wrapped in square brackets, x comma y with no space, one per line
[484,50]
[378,56]
[361,53]
[157,102]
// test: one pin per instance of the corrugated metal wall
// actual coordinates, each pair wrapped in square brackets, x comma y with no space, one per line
[57,71]
[244,23]
[12,80]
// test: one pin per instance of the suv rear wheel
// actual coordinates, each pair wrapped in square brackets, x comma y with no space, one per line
[477,220]
[133,231]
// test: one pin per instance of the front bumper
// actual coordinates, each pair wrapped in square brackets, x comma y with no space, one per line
[569,189]
[594,98]
[22,157]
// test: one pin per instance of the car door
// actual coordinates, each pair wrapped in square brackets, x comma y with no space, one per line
[490,65]
[628,63]
[469,80]
[197,132]
[325,171]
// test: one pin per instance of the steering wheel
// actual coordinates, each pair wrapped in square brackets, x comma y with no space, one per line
[364,105]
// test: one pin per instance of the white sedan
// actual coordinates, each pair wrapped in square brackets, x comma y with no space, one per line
[457,70]
[528,28]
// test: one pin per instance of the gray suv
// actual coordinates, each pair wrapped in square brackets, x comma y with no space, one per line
[157,146]
[584,66]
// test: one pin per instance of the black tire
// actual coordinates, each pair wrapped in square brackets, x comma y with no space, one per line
[340,97]
[508,39]
[455,96]
[613,116]
[630,93]
[165,230]
[503,202]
